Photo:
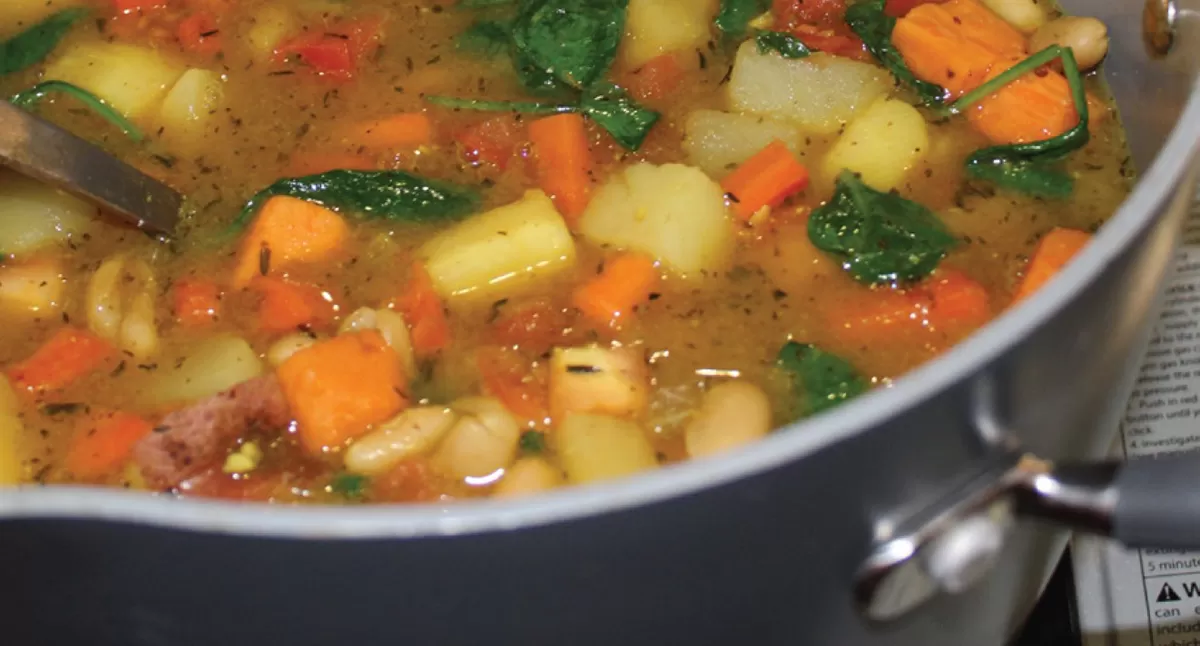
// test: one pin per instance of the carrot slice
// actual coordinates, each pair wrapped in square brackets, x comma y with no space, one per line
[1053,252]
[425,313]
[564,163]
[959,301]
[1035,106]
[104,443]
[197,302]
[871,316]
[288,306]
[337,388]
[288,231]
[626,281]
[70,354]
[948,44]
[406,130]
[766,179]
[657,79]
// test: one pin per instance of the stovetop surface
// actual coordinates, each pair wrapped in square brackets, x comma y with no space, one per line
[1054,622]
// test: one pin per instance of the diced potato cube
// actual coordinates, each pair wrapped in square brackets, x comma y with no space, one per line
[34,215]
[717,142]
[269,25]
[882,144]
[610,381]
[500,251]
[654,27]
[34,288]
[596,447]
[131,78]
[818,93]
[672,212]
[211,366]
[187,112]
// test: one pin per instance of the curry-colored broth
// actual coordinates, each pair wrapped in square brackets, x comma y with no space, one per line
[696,331]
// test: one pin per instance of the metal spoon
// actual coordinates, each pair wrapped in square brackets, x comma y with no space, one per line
[48,153]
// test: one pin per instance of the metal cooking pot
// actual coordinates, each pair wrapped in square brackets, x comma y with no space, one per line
[878,523]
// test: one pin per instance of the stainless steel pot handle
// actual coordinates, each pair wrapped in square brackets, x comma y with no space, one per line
[947,545]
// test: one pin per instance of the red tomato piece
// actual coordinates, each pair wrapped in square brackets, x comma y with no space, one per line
[199,33]
[791,13]
[534,327]
[494,141]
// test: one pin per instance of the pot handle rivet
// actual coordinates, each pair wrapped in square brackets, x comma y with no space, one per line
[1158,26]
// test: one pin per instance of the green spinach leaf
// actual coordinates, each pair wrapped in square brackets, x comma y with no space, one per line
[386,194]
[606,104]
[533,442]
[350,486]
[879,237]
[27,99]
[485,39]
[874,27]
[820,380]
[33,45]
[571,41]
[614,110]
[734,16]
[786,45]
[1031,167]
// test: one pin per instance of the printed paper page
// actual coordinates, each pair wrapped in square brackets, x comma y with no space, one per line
[1152,597]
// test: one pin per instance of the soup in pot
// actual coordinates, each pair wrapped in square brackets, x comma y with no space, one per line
[495,247]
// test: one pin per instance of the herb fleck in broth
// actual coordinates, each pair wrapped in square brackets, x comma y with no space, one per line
[439,251]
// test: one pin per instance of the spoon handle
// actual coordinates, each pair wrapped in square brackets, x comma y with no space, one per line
[48,153]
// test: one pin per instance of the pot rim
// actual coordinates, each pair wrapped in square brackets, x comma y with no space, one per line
[1153,190]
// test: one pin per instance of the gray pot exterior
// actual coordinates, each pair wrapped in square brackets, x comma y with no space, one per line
[766,559]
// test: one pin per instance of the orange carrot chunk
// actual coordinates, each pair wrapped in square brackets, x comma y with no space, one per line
[1034,107]
[870,316]
[288,231]
[70,354]
[104,443]
[337,388]
[425,314]
[406,130]
[288,306]
[626,281]
[955,44]
[765,180]
[1053,252]
[197,302]
[959,301]
[564,163]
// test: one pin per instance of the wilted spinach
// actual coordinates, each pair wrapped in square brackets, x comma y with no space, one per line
[1029,167]
[27,99]
[874,27]
[820,380]
[786,45]
[734,16]
[614,110]
[572,42]
[33,45]
[879,237]
[386,194]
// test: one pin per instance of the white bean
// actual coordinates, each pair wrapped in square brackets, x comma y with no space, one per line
[410,433]
[360,319]
[482,442]
[120,305]
[528,476]
[730,415]
[1086,37]
[285,347]
[1024,15]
